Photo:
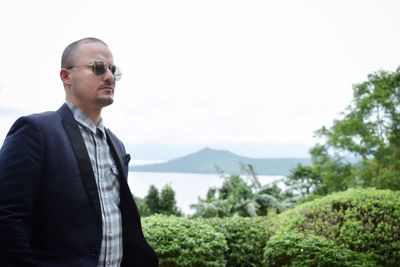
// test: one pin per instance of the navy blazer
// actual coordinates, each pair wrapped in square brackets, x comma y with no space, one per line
[50,211]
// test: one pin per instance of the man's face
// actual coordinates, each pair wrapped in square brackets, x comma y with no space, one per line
[87,90]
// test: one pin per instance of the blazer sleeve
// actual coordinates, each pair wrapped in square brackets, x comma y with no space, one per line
[21,158]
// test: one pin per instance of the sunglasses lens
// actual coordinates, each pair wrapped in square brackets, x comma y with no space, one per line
[117,73]
[112,68]
[99,68]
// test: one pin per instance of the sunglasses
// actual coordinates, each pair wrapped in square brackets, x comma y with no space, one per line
[100,67]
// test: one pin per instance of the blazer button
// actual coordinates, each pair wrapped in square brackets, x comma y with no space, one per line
[94,254]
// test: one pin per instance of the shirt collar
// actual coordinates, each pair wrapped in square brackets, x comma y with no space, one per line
[83,119]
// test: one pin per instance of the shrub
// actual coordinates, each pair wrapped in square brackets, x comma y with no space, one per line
[294,249]
[343,228]
[184,242]
[246,238]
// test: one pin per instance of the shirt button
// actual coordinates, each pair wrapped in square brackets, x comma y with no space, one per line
[108,262]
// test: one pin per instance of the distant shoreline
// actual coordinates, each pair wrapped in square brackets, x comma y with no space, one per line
[212,161]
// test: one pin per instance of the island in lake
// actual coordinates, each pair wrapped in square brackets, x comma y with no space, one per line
[210,160]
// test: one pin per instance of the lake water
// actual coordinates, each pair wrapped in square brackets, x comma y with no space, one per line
[187,186]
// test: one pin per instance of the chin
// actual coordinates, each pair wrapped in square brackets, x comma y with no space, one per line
[105,101]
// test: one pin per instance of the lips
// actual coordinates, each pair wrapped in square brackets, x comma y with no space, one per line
[110,88]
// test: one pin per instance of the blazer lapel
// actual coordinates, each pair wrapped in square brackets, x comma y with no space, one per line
[78,145]
[119,160]
[140,253]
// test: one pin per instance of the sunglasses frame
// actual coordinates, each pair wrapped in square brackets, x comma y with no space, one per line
[100,68]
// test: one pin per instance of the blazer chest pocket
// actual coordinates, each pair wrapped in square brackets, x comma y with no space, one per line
[126,159]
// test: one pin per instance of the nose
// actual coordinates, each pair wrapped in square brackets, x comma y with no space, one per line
[108,75]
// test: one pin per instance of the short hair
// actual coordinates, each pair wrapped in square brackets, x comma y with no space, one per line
[69,51]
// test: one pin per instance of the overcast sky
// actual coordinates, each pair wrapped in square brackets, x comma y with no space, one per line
[203,72]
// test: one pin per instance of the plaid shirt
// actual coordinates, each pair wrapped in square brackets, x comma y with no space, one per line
[106,174]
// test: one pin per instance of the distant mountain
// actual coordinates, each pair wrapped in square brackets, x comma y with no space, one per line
[254,150]
[206,160]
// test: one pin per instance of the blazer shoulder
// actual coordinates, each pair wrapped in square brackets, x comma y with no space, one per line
[50,116]
[36,121]
[43,117]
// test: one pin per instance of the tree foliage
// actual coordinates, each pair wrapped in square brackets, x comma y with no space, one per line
[243,196]
[327,174]
[168,202]
[369,131]
[159,203]
[152,200]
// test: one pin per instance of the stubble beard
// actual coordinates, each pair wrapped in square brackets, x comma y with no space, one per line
[104,101]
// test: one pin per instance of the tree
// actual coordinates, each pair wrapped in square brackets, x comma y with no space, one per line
[369,131]
[303,180]
[238,196]
[327,174]
[152,200]
[156,203]
[168,202]
[211,206]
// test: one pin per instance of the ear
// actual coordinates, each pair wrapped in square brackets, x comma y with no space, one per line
[65,76]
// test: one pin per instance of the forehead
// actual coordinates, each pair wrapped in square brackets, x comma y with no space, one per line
[93,51]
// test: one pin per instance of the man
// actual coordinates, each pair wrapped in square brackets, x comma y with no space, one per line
[64,197]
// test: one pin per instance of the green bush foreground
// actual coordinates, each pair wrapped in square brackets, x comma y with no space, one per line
[183,242]
[351,228]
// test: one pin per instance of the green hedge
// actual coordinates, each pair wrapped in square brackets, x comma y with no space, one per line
[352,228]
[184,242]
[246,238]
[294,249]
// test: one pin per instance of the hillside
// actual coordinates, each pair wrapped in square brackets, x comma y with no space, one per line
[206,160]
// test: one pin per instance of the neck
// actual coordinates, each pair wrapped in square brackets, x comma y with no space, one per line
[93,112]
[94,115]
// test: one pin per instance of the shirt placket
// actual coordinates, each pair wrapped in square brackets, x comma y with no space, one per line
[101,165]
